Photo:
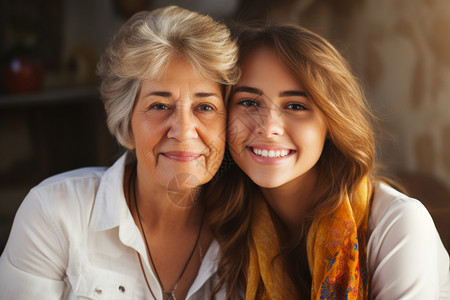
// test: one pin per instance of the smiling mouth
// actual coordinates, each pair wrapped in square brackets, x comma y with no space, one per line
[271,153]
[181,155]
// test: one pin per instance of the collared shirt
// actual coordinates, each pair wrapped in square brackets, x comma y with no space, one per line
[74,237]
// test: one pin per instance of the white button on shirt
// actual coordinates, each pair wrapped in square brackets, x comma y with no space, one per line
[74,238]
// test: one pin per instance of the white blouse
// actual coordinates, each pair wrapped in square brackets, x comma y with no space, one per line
[406,257]
[73,237]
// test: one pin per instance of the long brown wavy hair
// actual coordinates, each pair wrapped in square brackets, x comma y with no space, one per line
[347,157]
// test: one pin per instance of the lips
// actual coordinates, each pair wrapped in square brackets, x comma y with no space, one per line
[181,155]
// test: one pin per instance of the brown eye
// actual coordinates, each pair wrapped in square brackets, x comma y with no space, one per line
[248,103]
[159,106]
[296,106]
[205,107]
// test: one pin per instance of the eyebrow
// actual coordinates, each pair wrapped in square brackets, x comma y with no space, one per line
[293,94]
[248,89]
[159,94]
[205,95]
[252,90]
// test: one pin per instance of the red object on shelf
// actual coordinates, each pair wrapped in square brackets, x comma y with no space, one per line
[22,73]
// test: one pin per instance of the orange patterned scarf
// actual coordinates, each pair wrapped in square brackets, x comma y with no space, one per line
[336,252]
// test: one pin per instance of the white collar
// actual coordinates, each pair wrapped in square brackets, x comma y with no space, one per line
[110,203]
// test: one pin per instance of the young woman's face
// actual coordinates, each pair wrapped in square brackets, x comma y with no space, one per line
[275,133]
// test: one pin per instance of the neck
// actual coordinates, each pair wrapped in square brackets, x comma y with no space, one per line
[292,200]
[162,208]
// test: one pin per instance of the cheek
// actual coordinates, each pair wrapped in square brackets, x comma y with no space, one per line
[214,137]
[216,146]
[214,142]
[313,137]
[238,130]
[147,133]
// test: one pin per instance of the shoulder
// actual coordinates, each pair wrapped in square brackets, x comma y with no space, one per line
[395,217]
[390,205]
[62,199]
[70,197]
[52,212]
[73,176]
[70,188]
[406,257]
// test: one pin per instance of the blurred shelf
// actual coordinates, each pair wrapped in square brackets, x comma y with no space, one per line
[53,96]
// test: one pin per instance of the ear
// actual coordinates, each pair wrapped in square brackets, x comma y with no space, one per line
[131,145]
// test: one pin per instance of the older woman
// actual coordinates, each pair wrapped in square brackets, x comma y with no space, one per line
[136,230]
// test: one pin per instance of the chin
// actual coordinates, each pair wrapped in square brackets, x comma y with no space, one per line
[266,182]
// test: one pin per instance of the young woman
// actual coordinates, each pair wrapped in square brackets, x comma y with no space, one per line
[310,219]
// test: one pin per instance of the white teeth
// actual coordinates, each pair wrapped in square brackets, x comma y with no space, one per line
[270,153]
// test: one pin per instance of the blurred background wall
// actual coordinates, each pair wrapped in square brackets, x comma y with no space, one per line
[51,118]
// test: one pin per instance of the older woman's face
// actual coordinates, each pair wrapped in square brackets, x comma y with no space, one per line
[178,128]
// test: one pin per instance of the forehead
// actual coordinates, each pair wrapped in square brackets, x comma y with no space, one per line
[179,72]
[262,68]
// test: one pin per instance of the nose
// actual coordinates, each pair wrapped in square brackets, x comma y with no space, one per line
[183,125]
[269,123]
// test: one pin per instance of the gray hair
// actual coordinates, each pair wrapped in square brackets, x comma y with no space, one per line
[143,48]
